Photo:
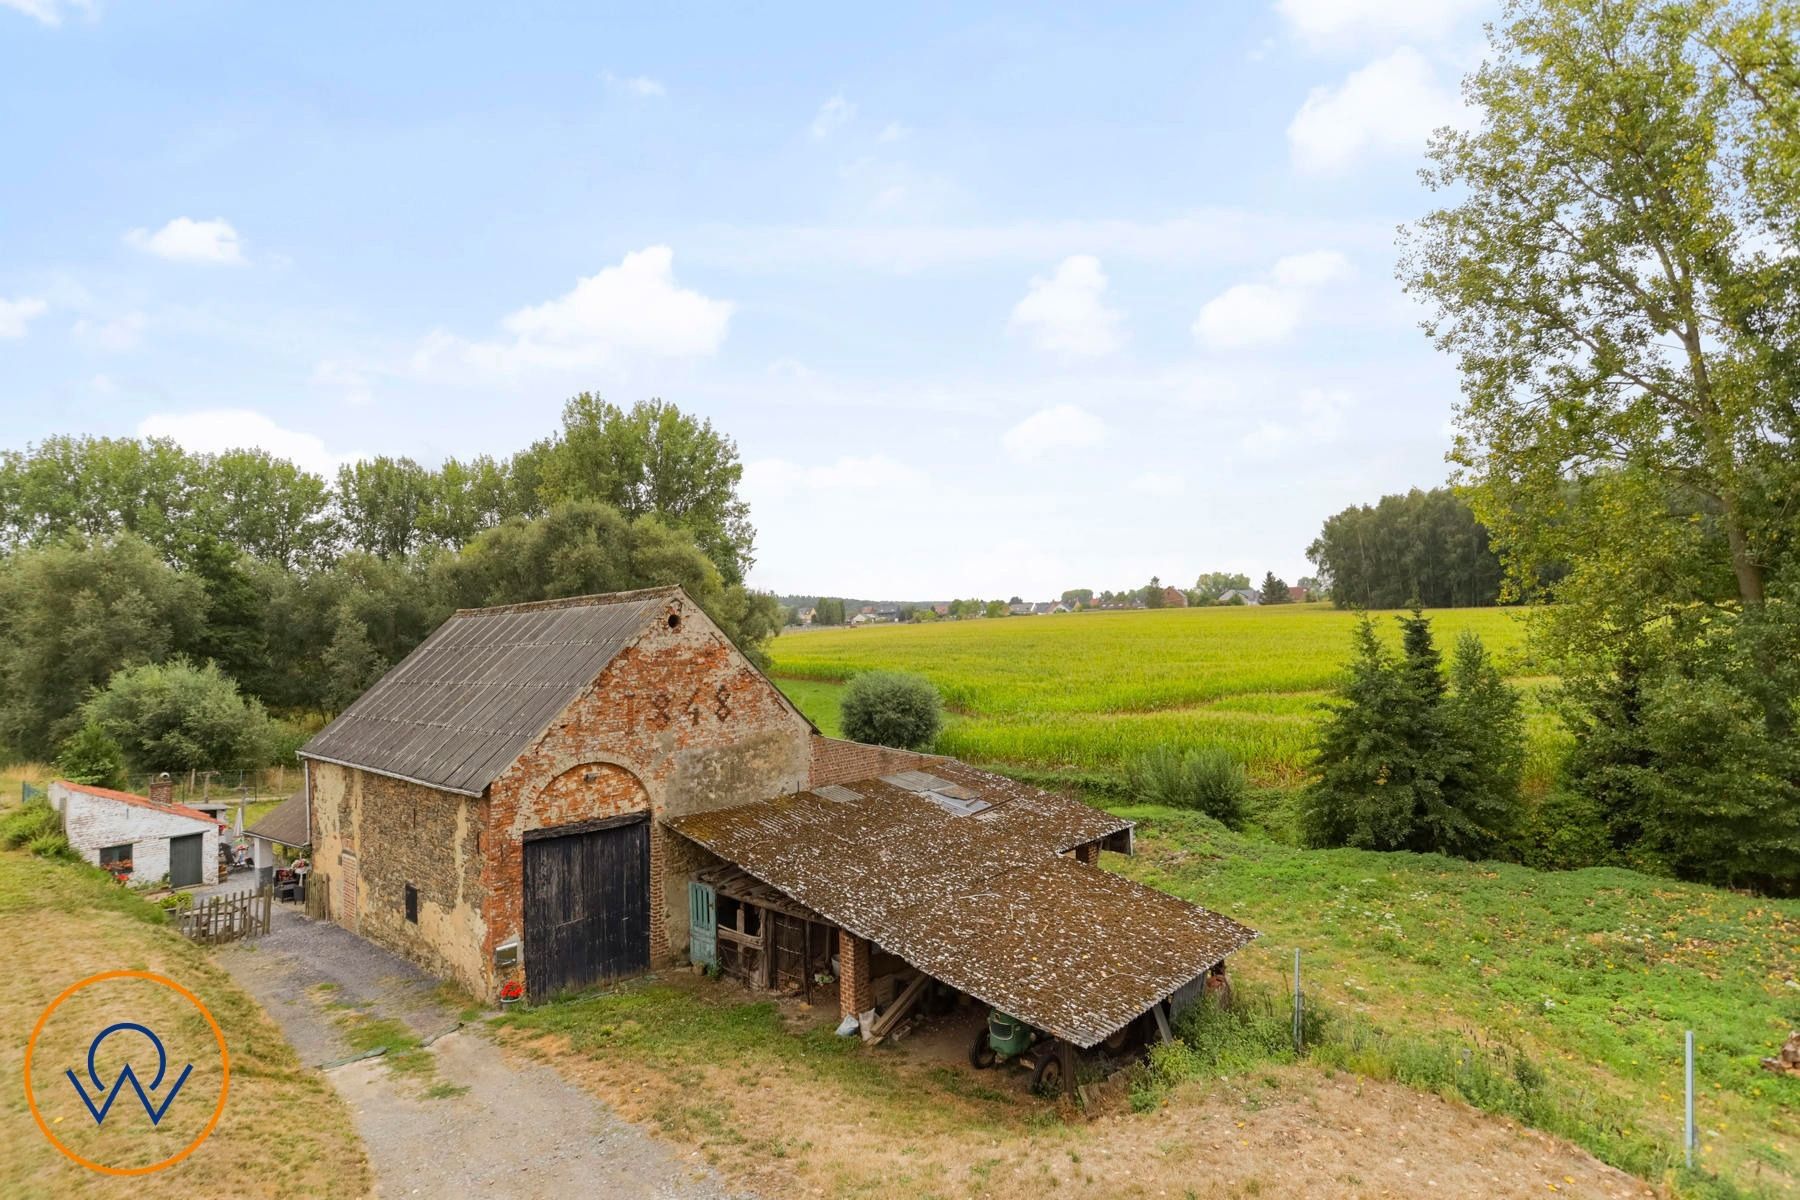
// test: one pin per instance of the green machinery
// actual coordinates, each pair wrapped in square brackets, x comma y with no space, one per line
[1008,1039]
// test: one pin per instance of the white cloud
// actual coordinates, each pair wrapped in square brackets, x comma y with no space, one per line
[1316,268]
[893,131]
[1316,420]
[832,116]
[1268,313]
[187,240]
[119,334]
[634,308]
[349,382]
[1158,483]
[16,314]
[49,12]
[216,430]
[773,478]
[1249,314]
[1066,313]
[1332,24]
[1387,107]
[641,86]
[1064,427]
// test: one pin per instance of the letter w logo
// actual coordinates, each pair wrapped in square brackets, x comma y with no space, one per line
[127,1075]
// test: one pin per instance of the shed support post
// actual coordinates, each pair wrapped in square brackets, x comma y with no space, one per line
[1162,1023]
[856,995]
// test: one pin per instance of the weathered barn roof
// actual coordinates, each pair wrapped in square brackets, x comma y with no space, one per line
[461,707]
[285,823]
[964,882]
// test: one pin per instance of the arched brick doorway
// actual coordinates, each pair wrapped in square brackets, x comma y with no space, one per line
[587,881]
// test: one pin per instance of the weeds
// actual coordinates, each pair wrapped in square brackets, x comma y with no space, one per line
[37,828]
[1207,779]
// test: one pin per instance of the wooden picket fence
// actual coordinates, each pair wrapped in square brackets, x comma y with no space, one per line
[218,919]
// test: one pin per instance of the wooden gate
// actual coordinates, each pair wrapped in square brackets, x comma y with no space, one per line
[185,855]
[218,919]
[587,903]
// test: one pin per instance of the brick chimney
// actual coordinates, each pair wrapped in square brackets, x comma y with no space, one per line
[162,789]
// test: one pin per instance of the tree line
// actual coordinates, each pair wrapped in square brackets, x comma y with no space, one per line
[123,554]
[1423,547]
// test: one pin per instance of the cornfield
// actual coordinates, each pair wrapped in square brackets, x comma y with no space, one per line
[1088,691]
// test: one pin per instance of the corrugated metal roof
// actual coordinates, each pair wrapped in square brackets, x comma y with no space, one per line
[983,902]
[462,706]
[285,823]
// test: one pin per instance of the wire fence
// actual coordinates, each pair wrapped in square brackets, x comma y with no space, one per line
[253,786]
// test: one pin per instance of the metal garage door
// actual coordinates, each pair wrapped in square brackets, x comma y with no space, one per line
[184,859]
[587,904]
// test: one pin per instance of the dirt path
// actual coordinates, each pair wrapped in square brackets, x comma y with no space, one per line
[471,1121]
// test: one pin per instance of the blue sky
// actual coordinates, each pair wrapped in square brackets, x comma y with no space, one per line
[994,302]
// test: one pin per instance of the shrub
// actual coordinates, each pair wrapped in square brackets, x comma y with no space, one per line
[892,709]
[1204,779]
[90,755]
[175,716]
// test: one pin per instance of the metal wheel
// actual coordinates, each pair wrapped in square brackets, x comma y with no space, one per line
[981,1054]
[1047,1075]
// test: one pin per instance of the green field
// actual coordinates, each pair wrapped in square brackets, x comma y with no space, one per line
[1084,692]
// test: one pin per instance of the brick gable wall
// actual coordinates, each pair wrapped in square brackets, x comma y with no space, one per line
[835,760]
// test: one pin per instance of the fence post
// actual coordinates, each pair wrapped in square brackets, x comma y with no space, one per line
[1298,1038]
[1688,1135]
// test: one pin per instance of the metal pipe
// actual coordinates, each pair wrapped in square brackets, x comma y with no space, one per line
[1689,1138]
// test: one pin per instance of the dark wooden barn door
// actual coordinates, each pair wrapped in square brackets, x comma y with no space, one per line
[587,905]
[184,859]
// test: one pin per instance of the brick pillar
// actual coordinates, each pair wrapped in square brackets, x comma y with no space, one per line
[1089,854]
[659,896]
[855,996]
[162,789]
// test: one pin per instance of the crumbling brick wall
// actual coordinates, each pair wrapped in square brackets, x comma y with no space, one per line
[835,760]
[374,836]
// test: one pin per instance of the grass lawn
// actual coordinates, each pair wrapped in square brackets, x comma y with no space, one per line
[819,700]
[1594,974]
[1083,692]
[283,1132]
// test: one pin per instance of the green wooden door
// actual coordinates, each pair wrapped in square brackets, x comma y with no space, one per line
[703,924]
[184,859]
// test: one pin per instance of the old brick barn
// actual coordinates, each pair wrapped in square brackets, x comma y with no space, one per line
[576,790]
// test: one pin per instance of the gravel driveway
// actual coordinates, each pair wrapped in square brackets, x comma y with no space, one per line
[519,1129]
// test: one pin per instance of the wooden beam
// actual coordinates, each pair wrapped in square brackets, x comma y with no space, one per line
[747,940]
[1162,1023]
[903,1003]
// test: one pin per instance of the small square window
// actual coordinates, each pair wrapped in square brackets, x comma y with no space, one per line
[116,859]
[412,904]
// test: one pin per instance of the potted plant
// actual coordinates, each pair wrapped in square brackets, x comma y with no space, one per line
[511,992]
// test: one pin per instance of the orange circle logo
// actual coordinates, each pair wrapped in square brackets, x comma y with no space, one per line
[168,1077]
